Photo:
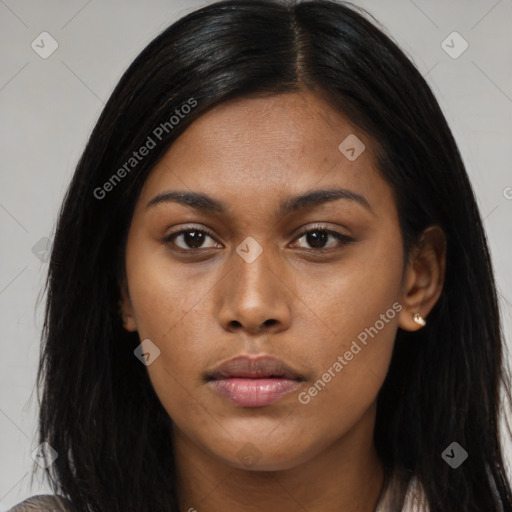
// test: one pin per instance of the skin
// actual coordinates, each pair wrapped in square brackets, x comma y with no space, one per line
[293,302]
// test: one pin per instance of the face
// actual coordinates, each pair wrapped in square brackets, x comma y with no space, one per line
[255,271]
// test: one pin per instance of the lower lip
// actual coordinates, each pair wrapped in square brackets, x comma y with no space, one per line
[254,392]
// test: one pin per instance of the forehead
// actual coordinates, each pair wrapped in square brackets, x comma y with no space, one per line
[260,149]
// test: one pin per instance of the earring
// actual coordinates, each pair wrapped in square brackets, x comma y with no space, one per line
[419,319]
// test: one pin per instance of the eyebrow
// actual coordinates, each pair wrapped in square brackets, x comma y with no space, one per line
[314,198]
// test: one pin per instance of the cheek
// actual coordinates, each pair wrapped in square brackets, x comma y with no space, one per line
[169,313]
[360,306]
[174,375]
[351,371]
[172,322]
[160,298]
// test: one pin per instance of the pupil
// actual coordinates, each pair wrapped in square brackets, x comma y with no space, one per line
[196,240]
[317,238]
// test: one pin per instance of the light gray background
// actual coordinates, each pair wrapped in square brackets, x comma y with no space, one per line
[49,106]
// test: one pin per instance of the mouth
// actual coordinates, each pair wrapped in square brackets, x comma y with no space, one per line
[254,382]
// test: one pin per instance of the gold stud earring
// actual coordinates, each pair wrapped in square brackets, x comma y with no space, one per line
[419,319]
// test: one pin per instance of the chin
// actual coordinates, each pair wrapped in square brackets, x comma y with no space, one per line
[266,456]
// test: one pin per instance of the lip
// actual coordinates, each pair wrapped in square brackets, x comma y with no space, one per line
[254,381]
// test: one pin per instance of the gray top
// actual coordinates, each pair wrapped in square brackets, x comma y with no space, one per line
[43,503]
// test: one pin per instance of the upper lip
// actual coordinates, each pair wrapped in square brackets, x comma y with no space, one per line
[254,368]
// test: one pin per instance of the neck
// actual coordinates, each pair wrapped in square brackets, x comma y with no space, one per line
[346,476]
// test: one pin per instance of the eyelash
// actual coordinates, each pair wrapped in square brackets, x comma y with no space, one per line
[343,239]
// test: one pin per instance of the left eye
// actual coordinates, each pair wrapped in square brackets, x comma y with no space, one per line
[317,238]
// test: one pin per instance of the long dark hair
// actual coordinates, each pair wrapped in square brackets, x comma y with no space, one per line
[98,409]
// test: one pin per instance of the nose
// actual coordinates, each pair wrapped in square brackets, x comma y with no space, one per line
[254,296]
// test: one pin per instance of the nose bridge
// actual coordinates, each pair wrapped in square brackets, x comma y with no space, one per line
[254,279]
[253,294]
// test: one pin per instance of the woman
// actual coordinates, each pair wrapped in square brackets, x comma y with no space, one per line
[270,287]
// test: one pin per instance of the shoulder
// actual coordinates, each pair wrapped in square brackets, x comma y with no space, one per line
[43,503]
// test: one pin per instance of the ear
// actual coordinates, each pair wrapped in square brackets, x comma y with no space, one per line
[424,277]
[126,308]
